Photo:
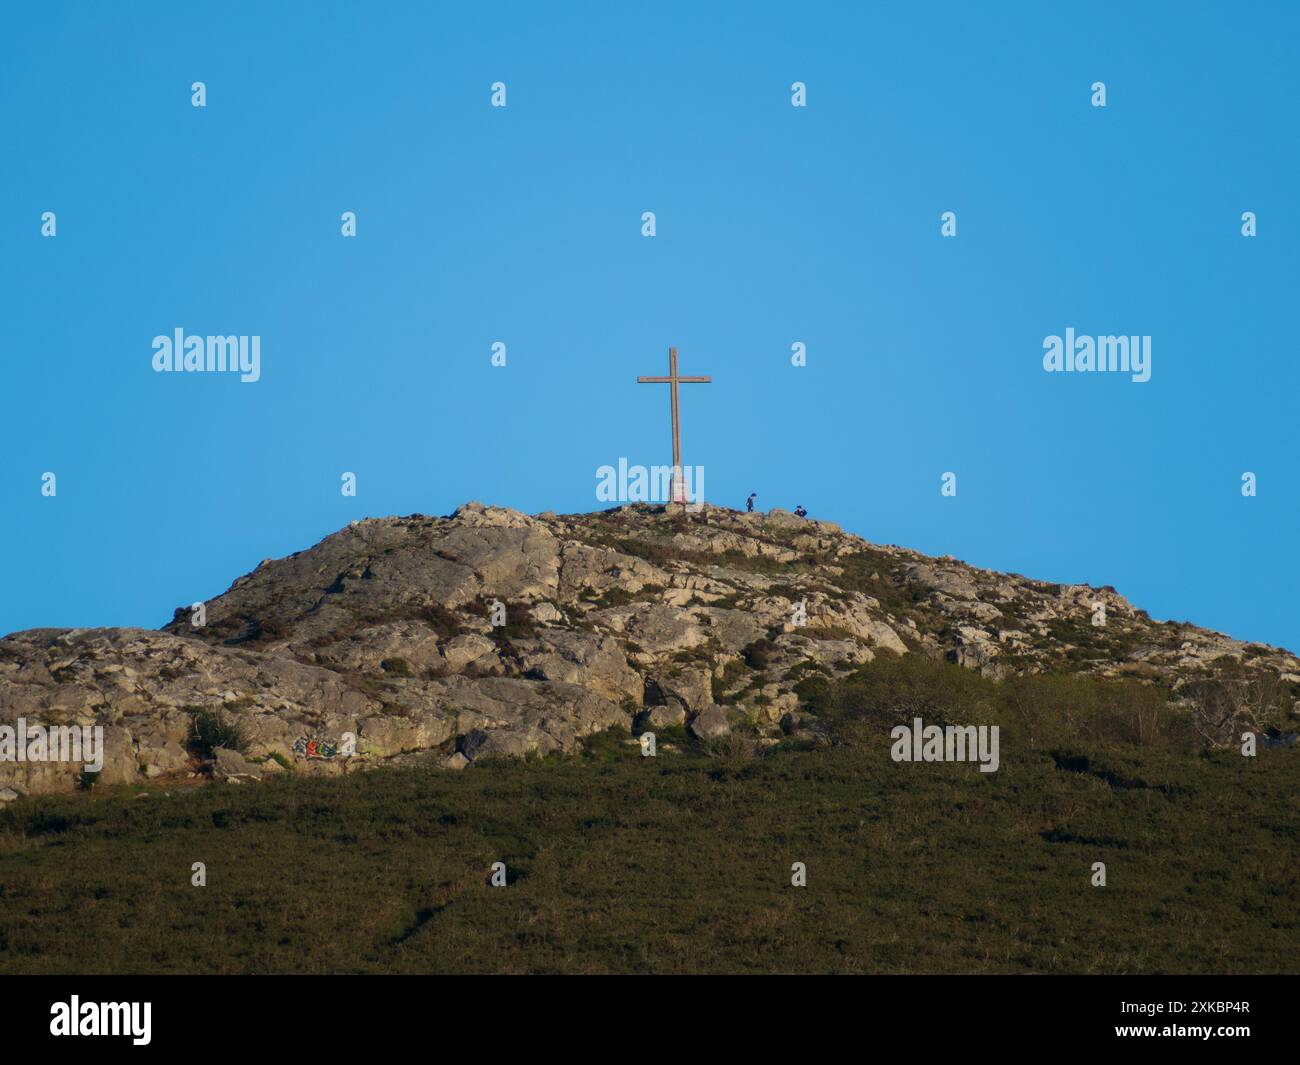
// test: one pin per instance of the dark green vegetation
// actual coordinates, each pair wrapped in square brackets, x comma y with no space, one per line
[212,729]
[682,863]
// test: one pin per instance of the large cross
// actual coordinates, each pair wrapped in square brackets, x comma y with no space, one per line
[674,379]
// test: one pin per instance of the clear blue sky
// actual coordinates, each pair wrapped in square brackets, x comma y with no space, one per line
[775,225]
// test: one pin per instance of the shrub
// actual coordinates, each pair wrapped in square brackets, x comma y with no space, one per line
[731,673]
[1236,700]
[1034,711]
[210,729]
[756,654]
[442,621]
[610,597]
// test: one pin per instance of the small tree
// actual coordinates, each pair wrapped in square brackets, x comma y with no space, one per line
[1224,706]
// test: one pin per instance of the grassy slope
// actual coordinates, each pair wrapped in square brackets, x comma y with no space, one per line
[676,864]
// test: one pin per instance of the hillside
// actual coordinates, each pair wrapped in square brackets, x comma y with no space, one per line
[674,864]
[380,640]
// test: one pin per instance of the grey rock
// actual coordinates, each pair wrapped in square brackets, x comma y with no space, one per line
[232,766]
[710,724]
[381,630]
[665,716]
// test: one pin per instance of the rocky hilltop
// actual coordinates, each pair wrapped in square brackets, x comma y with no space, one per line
[489,632]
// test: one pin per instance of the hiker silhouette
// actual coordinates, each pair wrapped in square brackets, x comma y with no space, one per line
[749,503]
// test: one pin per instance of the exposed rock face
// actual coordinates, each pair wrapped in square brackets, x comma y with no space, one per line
[381,643]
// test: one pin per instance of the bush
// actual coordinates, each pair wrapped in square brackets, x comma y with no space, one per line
[756,654]
[893,690]
[1033,712]
[443,622]
[610,597]
[731,673]
[1236,700]
[210,730]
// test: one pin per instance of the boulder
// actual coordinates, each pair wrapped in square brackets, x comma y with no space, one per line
[233,767]
[710,723]
[655,718]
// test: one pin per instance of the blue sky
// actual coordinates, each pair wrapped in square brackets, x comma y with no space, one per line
[775,224]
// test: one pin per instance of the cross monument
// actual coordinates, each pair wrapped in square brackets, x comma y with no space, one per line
[674,379]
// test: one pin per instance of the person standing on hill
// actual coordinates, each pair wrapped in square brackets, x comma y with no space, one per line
[749,503]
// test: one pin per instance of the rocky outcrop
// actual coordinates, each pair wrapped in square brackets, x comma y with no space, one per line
[491,633]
